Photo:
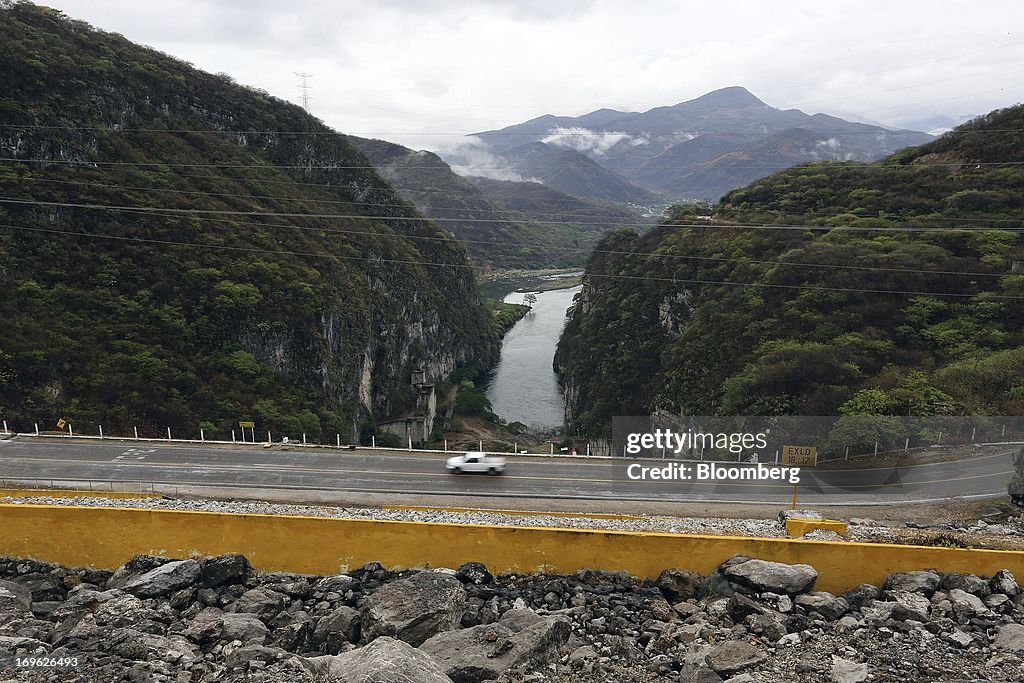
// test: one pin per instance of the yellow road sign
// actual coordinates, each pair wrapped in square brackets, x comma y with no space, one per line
[61,423]
[800,456]
[250,425]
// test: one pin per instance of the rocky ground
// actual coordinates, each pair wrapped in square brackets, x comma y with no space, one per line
[215,619]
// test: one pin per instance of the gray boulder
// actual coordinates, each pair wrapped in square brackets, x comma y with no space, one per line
[124,610]
[414,609]
[912,606]
[966,605]
[1010,637]
[246,628]
[678,584]
[913,582]
[845,671]
[223,570]
[212,625]
[165,579]
[263,602]
[517,620]
[484,652]
[861,595]
[385,660]
[83,599]
[137,566]
[475,573]
[733,656]
[17,646]
[968,583]
[825,604]
[23,594]
[761,576]
[11,606]
[339,627]
[1003,582]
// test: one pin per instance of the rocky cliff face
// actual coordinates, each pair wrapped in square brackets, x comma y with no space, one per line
[205,252]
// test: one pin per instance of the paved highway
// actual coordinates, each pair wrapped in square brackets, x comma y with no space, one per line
[382,472]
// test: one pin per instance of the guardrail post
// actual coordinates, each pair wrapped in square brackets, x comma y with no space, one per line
[168,433]
[101,431]
[202,436]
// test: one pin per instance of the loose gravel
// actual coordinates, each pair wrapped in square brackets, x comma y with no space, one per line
[672,525]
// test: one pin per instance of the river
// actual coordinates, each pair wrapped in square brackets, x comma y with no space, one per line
[523,387]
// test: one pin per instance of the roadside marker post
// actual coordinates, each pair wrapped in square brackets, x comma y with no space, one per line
[37,428]
[168,433]
[101,431]
[136,430]
[338,439]
[202,436]
[800,456]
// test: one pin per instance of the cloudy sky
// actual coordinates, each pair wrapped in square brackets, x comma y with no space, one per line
[424,72]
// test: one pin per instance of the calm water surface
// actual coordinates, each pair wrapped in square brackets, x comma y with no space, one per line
[524,388]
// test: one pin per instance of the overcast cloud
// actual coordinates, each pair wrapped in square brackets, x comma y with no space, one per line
[424,72]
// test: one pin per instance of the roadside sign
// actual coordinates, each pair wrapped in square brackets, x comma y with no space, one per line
[801,456]
[61,423]
[250,425]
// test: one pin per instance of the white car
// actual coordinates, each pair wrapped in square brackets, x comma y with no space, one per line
[475,461]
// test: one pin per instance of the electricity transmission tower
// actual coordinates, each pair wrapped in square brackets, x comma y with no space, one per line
[304,86]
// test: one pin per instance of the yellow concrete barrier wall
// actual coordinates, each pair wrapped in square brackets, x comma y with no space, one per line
[108,537]
[798,527]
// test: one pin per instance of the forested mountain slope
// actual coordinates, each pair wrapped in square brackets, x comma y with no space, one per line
[177,249]
[833,287]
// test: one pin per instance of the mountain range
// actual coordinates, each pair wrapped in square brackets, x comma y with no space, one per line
[695,150]
[503,224]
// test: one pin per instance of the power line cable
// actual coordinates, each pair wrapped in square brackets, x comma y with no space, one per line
[513,216]
[830,164]
[686,257]
[424,219]
[466,265]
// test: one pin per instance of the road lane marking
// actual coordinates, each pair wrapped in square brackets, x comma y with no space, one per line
[294,469]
